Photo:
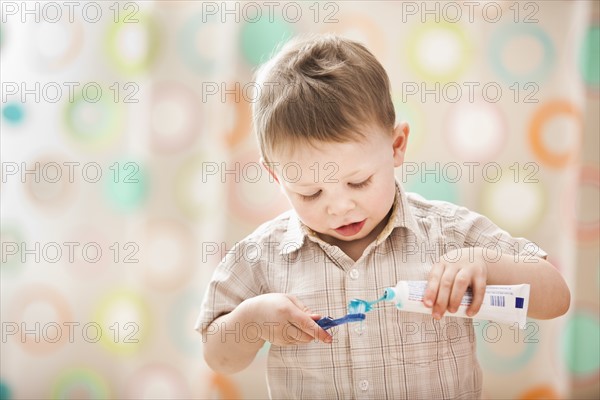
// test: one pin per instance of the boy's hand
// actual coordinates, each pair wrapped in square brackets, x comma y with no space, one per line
[284,320]
[448,281]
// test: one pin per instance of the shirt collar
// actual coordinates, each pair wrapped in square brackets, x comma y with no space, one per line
[401,217]
[293,238]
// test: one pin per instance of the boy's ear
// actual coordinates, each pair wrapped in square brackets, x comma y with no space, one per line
[400,140]
[268,168]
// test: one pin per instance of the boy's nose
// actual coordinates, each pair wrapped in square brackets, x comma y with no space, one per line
[340,206]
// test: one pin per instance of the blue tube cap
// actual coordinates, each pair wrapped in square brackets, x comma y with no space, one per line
[389,294]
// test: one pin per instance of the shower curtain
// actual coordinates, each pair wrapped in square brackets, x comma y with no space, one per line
[129,170]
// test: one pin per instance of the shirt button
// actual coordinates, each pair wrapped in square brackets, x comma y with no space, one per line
[354,273]
[364,385]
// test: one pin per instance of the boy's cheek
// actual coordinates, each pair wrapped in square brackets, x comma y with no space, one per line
[307,216]
[315,221]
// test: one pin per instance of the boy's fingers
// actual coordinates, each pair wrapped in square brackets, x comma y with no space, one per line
[315,331]
[308,325]
[461,284]
[299,304]
[478,296]
[293,334]
[443,296]
[320,334]
[433,284]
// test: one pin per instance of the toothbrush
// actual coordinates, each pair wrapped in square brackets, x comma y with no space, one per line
[328,322]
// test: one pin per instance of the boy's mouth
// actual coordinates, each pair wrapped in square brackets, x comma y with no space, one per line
[351,229]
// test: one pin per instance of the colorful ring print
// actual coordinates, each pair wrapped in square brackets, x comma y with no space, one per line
[127,186]
[581,345]
[50,334]
[589,57]
[58,44]
[546,113]
[361,28]
[504,35]
[260,38]
[77,383]
[515,205]
[93,119]
[157,381]
[53,190]
[224,387]
[169,261]
[430,186]
[439,52]
[539,392]
[569,198]
[13,113]
[99,270]
[240,113]
[191,186]
[589,231]
[11,239]
[5,393]
[125,320]
[196,47]
[491,348]
[175,117]
[132,47]
[475,131]
[253,196]
[181,319]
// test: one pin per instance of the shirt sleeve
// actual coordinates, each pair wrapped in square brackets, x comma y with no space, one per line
[480,231]
[236,278]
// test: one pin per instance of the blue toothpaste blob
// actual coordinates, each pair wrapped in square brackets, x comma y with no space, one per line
[362,306]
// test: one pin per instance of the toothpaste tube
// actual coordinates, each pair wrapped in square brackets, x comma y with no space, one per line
[501,303]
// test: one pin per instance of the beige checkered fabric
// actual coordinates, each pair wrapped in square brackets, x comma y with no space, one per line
[392,354]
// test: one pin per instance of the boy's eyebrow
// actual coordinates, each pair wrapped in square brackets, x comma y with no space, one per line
[303,184]
[326,174]
[353,173]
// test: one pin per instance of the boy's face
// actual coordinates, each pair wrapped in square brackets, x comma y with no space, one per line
[343,191]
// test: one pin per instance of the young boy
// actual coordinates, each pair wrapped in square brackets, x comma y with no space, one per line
[327,134]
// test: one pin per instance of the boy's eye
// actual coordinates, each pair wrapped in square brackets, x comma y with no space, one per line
[310,197]
[361,184]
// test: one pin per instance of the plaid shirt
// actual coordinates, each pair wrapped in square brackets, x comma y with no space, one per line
[392,354]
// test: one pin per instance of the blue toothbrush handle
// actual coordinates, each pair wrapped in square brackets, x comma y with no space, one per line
[328,322]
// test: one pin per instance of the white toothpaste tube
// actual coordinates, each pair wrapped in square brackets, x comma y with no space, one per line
[501,303]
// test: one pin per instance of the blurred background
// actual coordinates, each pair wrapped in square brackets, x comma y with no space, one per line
[129,169]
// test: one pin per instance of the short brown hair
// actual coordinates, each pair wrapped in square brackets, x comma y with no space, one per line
[320,88]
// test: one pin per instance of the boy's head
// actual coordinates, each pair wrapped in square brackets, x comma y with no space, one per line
[320,89]
[325,124]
